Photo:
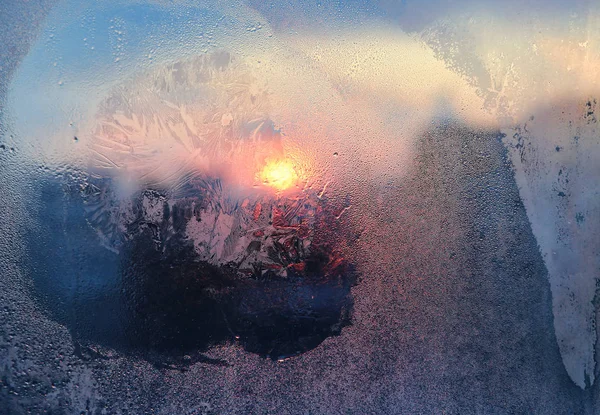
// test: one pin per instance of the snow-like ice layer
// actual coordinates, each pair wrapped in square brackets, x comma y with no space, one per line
[557,162]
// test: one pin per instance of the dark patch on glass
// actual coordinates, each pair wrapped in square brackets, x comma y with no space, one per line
[159,299]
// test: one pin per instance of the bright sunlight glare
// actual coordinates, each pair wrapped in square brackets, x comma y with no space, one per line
[279,174]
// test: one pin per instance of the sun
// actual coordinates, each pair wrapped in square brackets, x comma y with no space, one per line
[279,174]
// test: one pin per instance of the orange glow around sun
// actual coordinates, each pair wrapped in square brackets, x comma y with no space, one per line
[279,174]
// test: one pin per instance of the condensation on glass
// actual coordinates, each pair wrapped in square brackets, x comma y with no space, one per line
[256,208]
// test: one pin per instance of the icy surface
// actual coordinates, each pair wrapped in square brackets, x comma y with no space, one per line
[286,207]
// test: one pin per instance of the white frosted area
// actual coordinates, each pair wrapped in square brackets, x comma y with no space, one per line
[539,75]
[557,162]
